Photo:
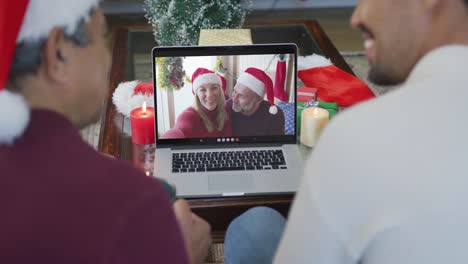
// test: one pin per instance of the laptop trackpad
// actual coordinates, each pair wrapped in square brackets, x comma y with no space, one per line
[230,182]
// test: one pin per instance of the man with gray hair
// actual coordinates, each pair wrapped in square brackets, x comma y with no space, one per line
[251,115]
[385,183]
[60,200]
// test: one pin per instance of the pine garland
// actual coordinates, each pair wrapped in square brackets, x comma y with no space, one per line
[170,73]
[178,22]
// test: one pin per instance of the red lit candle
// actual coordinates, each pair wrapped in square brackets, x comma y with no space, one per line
[142,122]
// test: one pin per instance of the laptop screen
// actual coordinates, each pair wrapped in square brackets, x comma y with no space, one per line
[225,95]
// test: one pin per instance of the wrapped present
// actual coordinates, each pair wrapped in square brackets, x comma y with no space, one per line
[328,105]
[306,94]
[220,37]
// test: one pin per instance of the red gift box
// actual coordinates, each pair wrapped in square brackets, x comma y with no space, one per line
[305,94]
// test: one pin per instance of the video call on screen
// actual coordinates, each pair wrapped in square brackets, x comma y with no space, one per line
[180,116]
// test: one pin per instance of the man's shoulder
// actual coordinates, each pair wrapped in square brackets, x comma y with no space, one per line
[123,176]
[354,137]
[368,118]
[124,186]
[265,107]
[105,173]
[77,163]
[86,178]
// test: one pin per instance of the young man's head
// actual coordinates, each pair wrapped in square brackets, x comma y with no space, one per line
[64,69]
[398,33]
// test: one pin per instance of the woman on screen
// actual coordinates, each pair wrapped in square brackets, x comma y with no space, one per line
[208,116]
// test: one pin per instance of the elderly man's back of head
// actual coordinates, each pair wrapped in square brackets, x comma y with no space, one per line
[61,201]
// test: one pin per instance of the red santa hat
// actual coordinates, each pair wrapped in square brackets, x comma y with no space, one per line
[260,83]
[29,20]
[130,95]
[203,76]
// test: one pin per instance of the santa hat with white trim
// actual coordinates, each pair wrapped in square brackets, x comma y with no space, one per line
[130,95]
[203,76]
[260,83]
[29,20]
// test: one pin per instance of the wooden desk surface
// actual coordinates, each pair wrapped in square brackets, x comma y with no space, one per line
[219,212]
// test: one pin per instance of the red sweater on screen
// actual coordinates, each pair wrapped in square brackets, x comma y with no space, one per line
[63,202]
[190,124]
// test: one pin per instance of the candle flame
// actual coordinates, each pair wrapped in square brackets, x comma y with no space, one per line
[144,107]
[148,173]
[316,111]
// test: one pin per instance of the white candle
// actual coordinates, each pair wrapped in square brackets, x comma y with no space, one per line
[313,120]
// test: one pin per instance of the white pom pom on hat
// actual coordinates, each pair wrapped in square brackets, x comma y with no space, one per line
[29,20]
[14,116]
[260,83]
[312,61]
[273,110]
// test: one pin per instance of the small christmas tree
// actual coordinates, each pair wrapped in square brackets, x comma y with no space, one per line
[178,22]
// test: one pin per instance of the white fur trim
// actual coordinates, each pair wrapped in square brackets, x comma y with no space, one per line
[273,110]
[43,15]
[125,101]
[206,78]
[253,83]
[312,61]
[14,116]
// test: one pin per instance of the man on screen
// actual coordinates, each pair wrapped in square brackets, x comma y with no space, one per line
[251,115]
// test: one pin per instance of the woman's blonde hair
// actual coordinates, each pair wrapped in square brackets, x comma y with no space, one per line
[221,115]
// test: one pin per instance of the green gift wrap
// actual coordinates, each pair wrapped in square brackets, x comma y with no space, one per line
[331,107]
[328,105]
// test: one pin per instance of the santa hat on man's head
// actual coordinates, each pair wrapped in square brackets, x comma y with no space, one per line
[203,76]
[29,20]
[260,83]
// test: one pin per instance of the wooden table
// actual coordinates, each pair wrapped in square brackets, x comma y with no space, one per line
[128,40]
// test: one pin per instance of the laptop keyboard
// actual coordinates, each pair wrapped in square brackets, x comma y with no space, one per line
[228,161]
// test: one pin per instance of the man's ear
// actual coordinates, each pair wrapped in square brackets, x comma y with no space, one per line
[55,57]
[260,98]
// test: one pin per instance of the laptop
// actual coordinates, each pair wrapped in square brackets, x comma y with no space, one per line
[236,160]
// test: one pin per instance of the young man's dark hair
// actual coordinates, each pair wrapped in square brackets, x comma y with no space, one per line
[27,57]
